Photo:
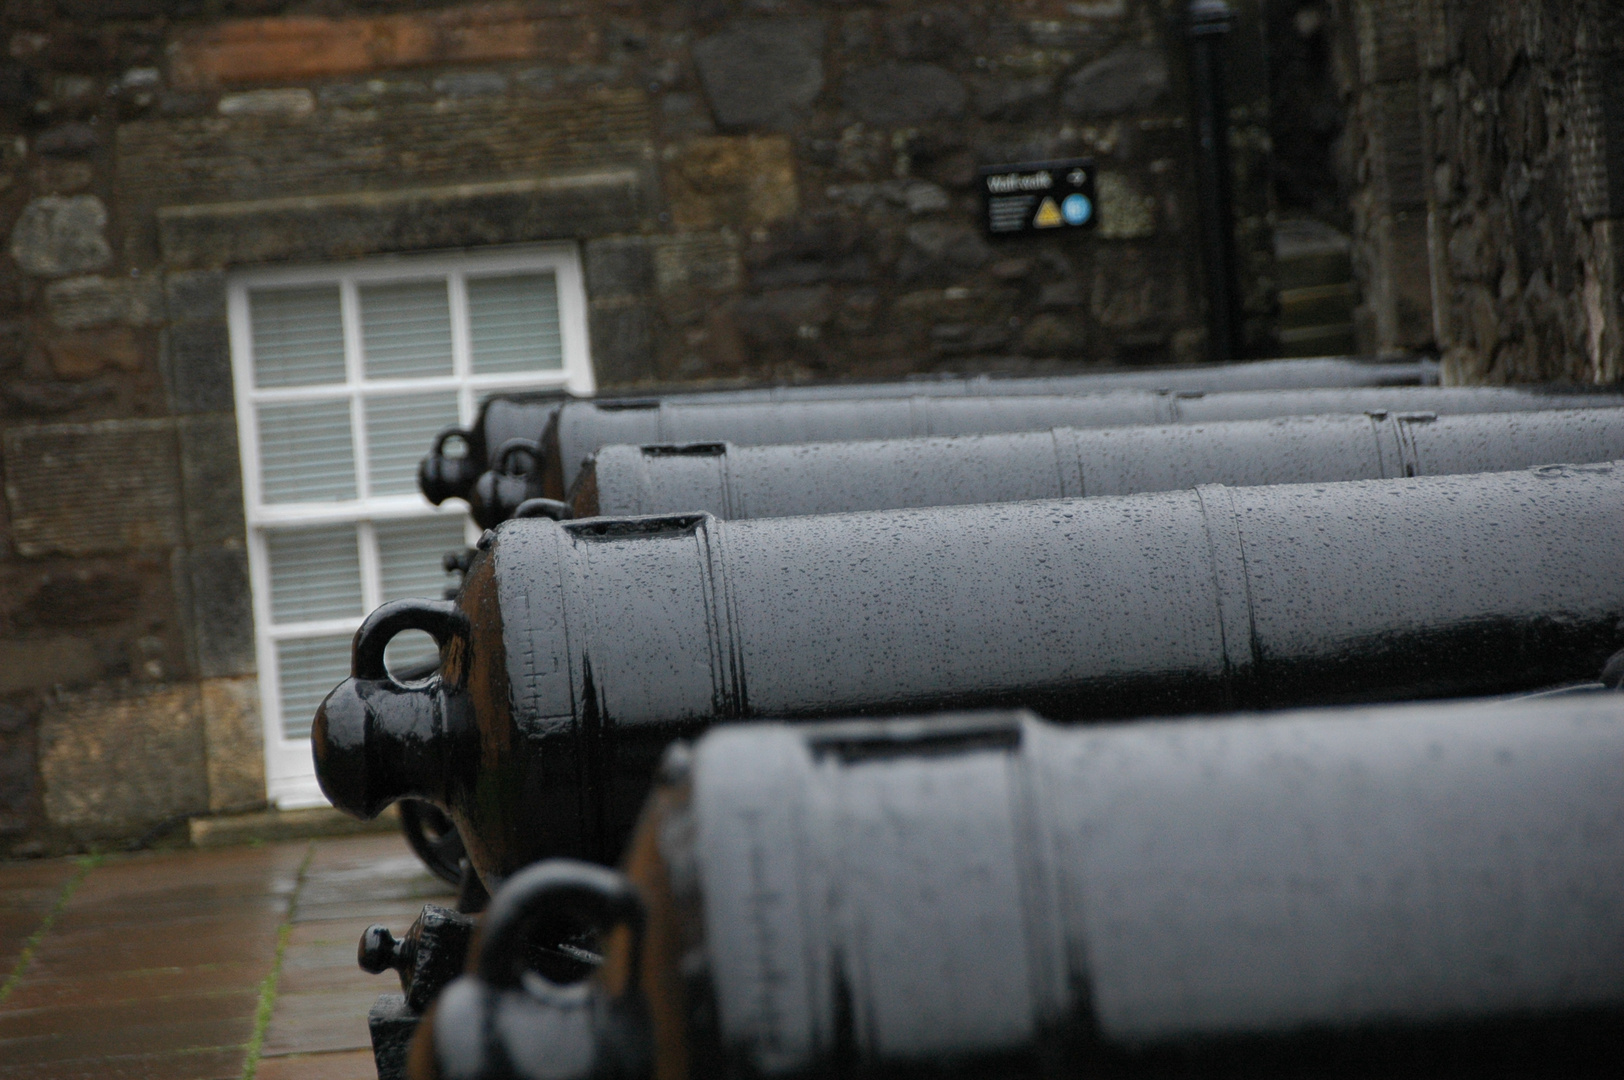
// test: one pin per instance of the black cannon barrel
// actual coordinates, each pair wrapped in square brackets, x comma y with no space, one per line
[502,419]
[825,478]
[578,649]
[524,416]
[1426,891]
[580,428]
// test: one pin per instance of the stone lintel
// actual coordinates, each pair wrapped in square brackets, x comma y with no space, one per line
[413,219]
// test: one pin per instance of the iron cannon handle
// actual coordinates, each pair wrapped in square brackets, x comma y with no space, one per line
[603,896]
[502,460]
[440,477]
[551,509]
[440,619]
[452,432]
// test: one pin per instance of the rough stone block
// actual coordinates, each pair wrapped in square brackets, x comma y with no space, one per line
[1126,213]
[375,91]
[1088,10]
[294,101]
[784,316]
[40,663]
[211,479]
[84,489]
[463,84]
[355,225]
[1050,334]
[1129,294]
[214,581]
[684,114]
[196,296]
[14,341]
[622,349]
[618,266]
[933,307]
[56,177]
[48,397]
[73,139]
[809,249]
[81,354]
[745,181]
[233,742]
[936,33]
[762,73]
[79,303]
[81,594]
[706,261]
[16,770]
[196,362]
[293,48]
[1131,79]
[114,759]
[1012,99]
[60,235]
[941,250]
[903,95]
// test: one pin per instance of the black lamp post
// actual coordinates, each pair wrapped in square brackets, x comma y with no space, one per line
[1208,23]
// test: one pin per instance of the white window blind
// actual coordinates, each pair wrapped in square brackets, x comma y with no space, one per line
[344,374]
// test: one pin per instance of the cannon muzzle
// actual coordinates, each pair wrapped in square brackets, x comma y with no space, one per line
[441,476]
[375,739]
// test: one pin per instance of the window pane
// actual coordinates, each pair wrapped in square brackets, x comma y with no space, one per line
[298,336]
[406,329]
[315,573]
[409,555]
[309,668]
[513,323]
[399,430]
[305,454]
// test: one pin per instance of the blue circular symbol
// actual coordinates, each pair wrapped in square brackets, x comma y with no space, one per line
[1076,209]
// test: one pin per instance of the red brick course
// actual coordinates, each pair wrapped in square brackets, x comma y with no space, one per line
[247,51]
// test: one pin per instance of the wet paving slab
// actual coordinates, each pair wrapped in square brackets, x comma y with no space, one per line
[156,965]
[28,893]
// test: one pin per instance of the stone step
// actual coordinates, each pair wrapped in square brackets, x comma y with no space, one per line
[1309,252]
[1334,339]
[1313,268]
[1317,305]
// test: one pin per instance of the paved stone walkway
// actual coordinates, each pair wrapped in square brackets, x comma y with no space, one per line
[200,965]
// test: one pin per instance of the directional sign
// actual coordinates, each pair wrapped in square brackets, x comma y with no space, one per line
[1039,197]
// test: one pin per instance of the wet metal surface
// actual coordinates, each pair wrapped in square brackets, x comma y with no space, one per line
[828,478]
[155,965]
[580,428]
[1405,891]
[508,417]
[589,645]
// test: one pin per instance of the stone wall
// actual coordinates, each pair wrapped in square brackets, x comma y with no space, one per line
[1383,86]
[760,189]
[1489,157]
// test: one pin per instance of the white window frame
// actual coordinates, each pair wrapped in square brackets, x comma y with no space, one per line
[289,770]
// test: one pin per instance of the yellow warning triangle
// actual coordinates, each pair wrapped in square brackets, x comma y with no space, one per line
[1048,216]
